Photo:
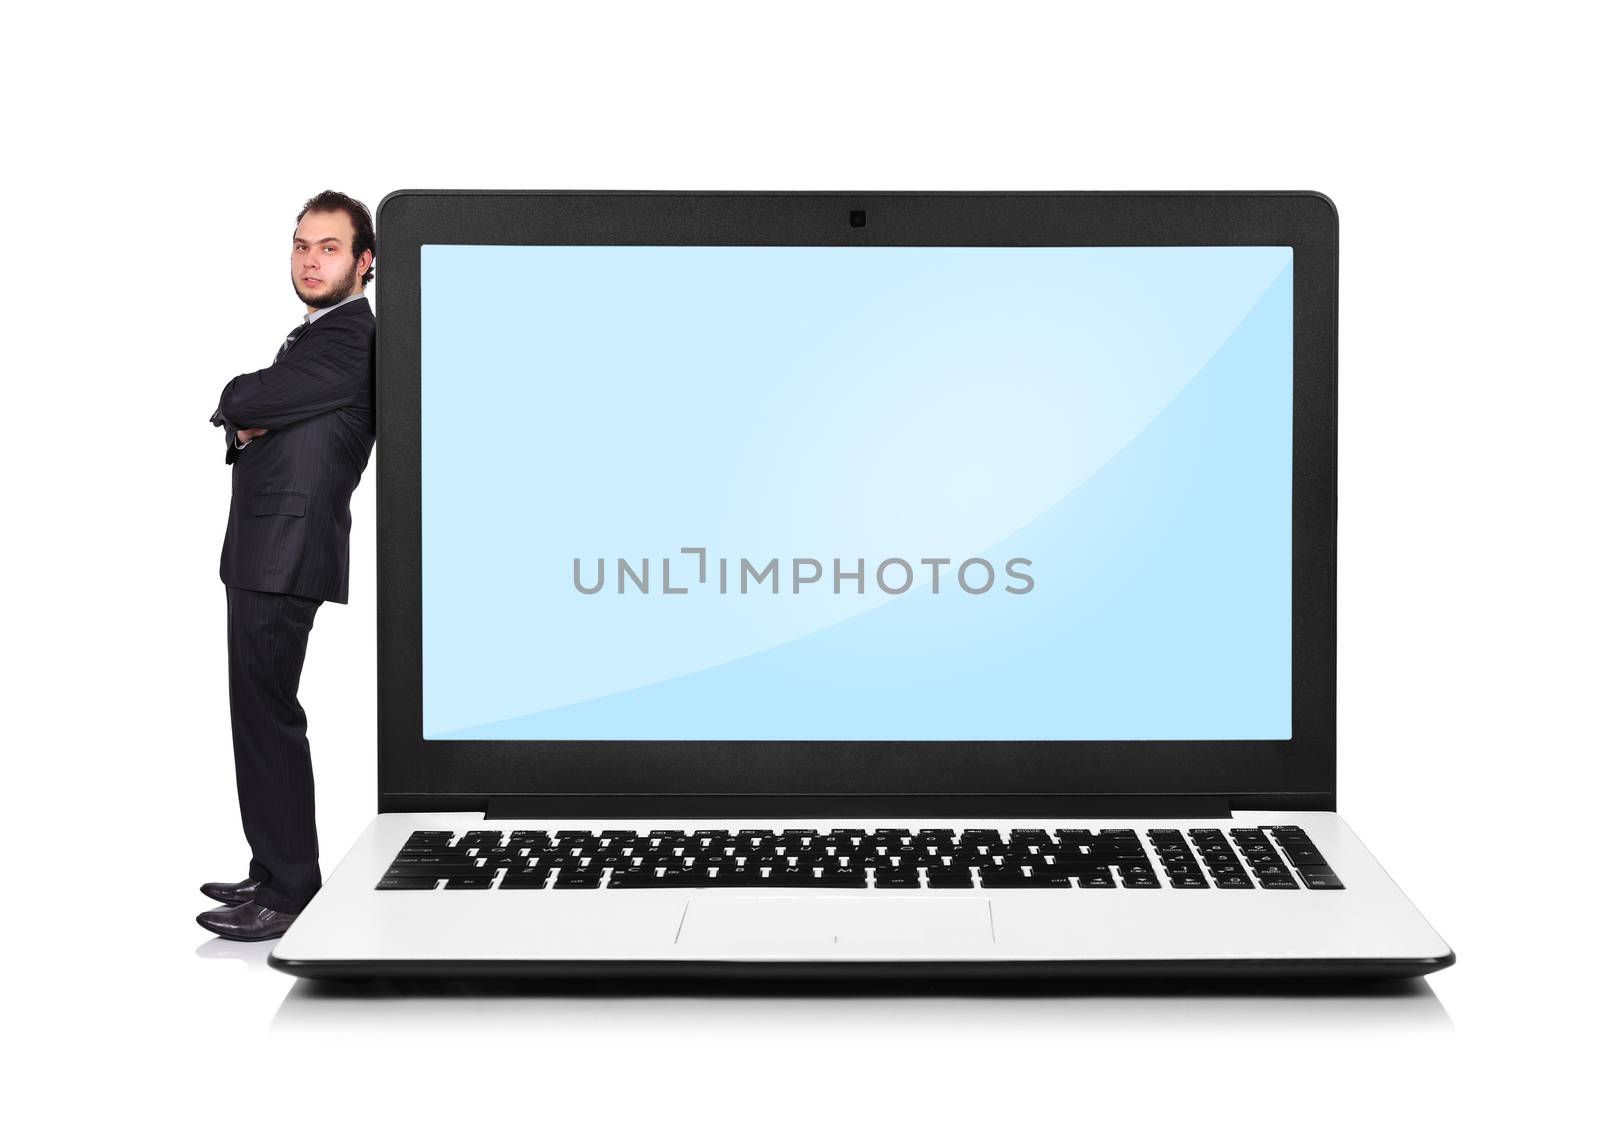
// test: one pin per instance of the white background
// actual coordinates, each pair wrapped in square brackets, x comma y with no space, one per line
[157,158]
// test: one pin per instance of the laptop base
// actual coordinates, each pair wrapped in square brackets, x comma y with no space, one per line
[353,930]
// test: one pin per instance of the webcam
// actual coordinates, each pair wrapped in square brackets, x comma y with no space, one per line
[858,218]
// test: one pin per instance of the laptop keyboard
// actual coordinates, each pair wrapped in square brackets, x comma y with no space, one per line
[1272,857]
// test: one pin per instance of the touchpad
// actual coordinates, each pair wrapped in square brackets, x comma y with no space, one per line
[858,926]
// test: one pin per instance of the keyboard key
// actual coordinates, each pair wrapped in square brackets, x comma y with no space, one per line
[843,880]
[636,880]
[1299,848]
[534,880]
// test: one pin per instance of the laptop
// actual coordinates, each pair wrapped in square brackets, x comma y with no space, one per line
[880,585]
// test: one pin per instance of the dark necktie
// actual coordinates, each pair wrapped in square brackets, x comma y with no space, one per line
[288,341]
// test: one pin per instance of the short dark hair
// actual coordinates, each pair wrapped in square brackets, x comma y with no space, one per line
[360,219]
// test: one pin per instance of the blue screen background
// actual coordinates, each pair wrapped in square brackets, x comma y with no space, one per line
[1119,416]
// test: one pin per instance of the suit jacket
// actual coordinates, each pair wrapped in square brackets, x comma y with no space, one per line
[289,520]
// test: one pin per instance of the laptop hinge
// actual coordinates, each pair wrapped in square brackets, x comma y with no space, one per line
[883,807]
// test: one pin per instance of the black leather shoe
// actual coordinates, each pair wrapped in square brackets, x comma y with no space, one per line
[246,922]
[232,893]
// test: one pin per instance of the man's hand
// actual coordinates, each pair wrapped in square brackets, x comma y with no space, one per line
[248,435]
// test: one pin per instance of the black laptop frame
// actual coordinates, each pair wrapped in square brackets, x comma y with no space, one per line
[764,778]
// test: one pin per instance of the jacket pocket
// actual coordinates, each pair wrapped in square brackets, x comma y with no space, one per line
[278,504]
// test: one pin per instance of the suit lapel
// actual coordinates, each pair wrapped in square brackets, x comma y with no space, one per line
[359,304]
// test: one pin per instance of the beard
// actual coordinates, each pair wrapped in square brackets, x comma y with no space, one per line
[332,292]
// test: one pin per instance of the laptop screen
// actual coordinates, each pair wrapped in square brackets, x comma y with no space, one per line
[801,493]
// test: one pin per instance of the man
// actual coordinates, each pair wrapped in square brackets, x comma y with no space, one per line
[299,434]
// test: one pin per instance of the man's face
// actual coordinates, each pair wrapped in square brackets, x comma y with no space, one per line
[320,264]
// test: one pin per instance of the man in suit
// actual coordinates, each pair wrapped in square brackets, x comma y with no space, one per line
[299,434]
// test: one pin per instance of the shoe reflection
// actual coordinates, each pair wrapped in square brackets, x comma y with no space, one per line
[252,954]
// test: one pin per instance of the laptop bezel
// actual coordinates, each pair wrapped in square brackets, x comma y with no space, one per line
[415,774]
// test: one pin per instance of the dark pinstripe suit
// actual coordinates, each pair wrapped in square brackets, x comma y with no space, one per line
[287,549]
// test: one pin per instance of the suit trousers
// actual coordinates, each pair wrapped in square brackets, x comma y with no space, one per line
[267,636]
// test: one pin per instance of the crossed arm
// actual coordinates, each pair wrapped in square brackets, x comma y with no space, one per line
[331,373]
